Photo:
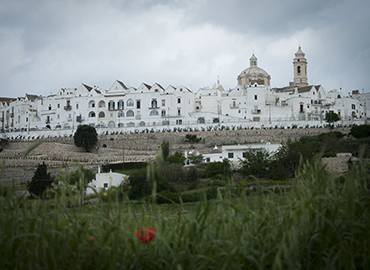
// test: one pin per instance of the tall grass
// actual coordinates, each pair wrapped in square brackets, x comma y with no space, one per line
[318,224]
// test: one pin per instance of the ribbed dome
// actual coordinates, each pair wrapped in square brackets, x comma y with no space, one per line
[254,71]
[254,74]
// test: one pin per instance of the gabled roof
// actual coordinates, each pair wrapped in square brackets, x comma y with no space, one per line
[157,84]
[308,88]
[304,89]
[122,84]
[147,85]
[31,97]
[7,100]
[87,87]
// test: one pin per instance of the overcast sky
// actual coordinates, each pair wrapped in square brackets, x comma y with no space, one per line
[52,44]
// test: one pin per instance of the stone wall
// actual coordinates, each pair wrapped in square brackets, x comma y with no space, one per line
[62,153]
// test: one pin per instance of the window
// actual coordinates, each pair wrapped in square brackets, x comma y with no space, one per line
[154,103]
[58,116]
[201,121]
[111,105]
[163,113]
[154,112]
[120,125]
[58,105]
[111,124]
[130,113]
[120,105]
[353,107]
[130,103]
[76,106]
[163,102]
[142,124]
[179,122]
[91,114]
[101,104]
[178,100]
[49,107]
[255,97]
[179,112]
[230,155]
[101,115]
[131,124]
[91,104]
[299,70]
[138,104]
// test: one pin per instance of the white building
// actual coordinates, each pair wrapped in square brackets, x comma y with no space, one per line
[234,153]
[252,103]
[104,181]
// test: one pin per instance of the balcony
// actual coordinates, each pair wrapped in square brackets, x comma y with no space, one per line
[257,111]
[68,107]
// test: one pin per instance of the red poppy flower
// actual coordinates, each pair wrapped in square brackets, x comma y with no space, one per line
[146,235]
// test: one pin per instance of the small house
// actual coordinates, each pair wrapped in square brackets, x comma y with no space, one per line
[104,181]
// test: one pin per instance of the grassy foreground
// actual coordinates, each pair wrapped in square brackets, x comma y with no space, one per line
[318,224]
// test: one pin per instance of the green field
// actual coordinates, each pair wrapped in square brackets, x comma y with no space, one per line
[318,223]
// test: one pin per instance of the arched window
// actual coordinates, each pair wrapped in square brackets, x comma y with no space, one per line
[120,125]
[201,121]
[121,114]
[111,124]
[91,114]
[131,124]
[142,124]
[101,115]
[92,104]
[130,103]
[299,69]
[154,112]
[130,113]
[216,120]
[101,104]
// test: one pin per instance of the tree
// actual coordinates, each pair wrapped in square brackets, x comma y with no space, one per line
[85,136]
[256,162]
[88,176]
[331,117]
[41,180]
[361,131]
[176,158]
[165,149]
[218,168]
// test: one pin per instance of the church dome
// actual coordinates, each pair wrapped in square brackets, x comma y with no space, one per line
[254,74]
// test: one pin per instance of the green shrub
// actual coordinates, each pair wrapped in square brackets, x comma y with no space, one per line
[360,131]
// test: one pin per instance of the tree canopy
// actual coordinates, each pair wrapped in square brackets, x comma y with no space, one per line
[86,137]
[41,180]
[331,117]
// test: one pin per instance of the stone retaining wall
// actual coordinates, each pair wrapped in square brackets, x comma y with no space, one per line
[60,153]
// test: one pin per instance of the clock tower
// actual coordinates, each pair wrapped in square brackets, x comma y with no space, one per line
[300,68]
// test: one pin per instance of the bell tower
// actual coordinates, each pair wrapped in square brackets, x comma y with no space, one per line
[300,68]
